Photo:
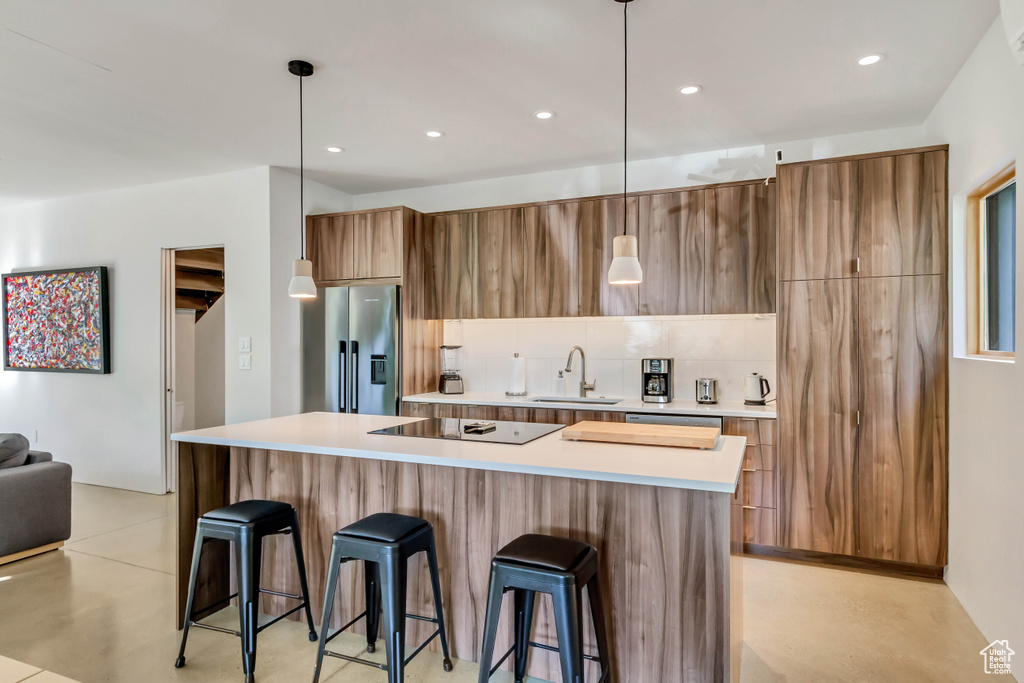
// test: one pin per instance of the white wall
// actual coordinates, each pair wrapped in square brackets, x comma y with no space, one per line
[185,366]
[725,347]
[651,174]
[209,369]
[981,117]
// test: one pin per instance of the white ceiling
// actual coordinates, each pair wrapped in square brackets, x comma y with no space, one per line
[99,94]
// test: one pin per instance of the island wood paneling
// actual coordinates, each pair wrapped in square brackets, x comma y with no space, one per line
[668,590]
[551,258]
[903,442]
[672,255]
[600,222]
[203,485]
[902,209]
[740,249]
[817,220]
[501,266]
[454,269]
[818,398]
[421,334]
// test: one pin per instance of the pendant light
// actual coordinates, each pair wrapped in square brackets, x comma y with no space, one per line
[625,268]
[301,285]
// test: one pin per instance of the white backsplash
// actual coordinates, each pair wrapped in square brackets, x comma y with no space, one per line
[720,346]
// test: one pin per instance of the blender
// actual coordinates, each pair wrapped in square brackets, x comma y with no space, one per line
[451,380]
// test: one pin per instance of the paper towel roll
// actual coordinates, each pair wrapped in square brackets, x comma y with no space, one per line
[517,376]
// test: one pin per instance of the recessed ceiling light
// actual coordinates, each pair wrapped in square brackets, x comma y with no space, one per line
[690,89]
[869,60]
[434,133]
[334,150]
[545,114]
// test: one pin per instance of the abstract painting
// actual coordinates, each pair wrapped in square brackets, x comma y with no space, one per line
[57,320]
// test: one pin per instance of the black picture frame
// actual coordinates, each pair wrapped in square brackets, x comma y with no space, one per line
[104,305]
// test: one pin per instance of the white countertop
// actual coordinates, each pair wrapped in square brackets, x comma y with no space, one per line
[627,405]
[346,435]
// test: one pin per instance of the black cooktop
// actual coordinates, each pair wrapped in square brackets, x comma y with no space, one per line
[516,433]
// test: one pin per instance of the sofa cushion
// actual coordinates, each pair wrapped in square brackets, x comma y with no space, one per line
[13,450]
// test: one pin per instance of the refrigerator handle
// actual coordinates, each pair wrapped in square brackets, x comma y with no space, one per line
[355,377]
[342,377]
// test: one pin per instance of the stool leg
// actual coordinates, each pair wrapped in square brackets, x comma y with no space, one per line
[325,621]
[248,555]
[604,653]
[197,554]
[568,622]
[494,595]
[371,586]
[393,590]
[435,580]
[524,600]
[301,563]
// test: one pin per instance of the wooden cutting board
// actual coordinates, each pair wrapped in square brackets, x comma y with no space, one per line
[645,434]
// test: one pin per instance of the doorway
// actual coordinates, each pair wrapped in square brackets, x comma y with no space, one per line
[193,346]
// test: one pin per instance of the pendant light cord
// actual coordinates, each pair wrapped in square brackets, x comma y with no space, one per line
[302,181]
[625,108]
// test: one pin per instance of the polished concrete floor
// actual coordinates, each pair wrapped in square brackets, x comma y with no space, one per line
[102,610]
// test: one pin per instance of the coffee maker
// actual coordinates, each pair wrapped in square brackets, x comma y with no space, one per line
[451,380]
[657,380]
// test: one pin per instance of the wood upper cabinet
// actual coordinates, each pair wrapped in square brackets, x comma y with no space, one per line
[551,260]
[600,222]
[902,340]
[818,395]
[454,267]
[355,246]
[818,220]
[902,214]
[672,253]
[740,249]
[501,266]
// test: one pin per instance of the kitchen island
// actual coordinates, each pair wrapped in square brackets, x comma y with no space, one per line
[665,521]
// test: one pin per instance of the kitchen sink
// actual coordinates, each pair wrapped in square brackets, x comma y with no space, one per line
[578,400]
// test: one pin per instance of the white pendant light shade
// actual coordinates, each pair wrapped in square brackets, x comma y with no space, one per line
[625,268]
[302,285]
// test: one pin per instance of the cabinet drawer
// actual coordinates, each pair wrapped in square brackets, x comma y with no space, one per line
[759,526]
[759,458]
[766,429]
[741,426]
[759,488]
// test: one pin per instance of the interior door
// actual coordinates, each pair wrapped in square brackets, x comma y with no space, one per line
[902,460]
[818,395]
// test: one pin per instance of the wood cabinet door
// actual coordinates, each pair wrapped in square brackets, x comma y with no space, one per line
[903,214]
[329,247]
[455,262]
[377,244]
[600,223]
[552,260]
[740,249]
[817,220]
[904,386]
[818,394]
[501,266]
[672,253]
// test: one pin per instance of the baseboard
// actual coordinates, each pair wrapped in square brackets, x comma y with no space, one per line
[7,559]
[920,571]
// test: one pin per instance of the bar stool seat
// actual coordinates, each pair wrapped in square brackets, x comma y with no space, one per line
[245,524]
[384,542]
[562,568]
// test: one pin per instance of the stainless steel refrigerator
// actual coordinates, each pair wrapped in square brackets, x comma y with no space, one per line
[350,350]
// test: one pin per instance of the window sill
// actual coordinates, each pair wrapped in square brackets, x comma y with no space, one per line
[990,359]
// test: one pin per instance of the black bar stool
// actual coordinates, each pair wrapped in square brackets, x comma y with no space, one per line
[246,524]
[384,542]
[561,568]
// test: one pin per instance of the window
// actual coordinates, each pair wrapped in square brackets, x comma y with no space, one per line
[992,224]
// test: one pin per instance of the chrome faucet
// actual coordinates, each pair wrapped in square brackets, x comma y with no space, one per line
[584,387]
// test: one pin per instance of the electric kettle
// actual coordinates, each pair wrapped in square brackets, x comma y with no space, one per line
[755,390]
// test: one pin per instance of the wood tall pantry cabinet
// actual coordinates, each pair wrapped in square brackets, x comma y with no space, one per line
[862,460]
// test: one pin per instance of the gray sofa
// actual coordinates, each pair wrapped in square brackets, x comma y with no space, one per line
[35,499]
